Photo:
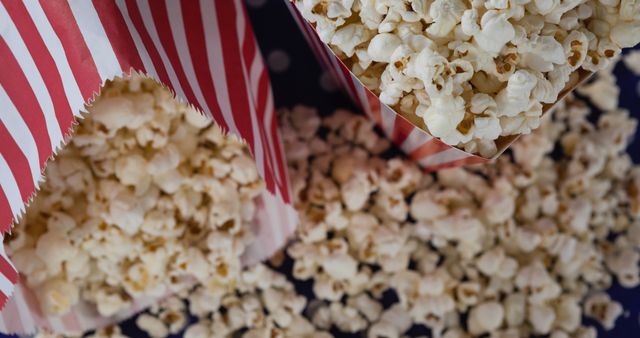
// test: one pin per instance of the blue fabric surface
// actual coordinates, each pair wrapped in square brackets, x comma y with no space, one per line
[296,79]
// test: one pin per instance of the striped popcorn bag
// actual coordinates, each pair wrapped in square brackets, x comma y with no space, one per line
[56,54]
[429,152]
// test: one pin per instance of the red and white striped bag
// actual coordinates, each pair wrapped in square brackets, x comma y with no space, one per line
[428,151]
[55,55]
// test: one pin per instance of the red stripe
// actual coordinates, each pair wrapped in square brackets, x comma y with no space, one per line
[43,60]
[282,184]
[6,216]
[80,60]
[18,164]
[401,129]
[119,35]
[457,163]
[236,85]
[262,95]
[429,148]
[15,83]
[269,178]
[138,23]
[3,300]
[249,44]
[8,271]
[161,19]
[194,30]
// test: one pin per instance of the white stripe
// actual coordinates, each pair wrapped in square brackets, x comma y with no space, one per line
[362,96]
[56,324]
[240,26]
[291,219]
[23,56]
[96,39]
[142,51]
[51,40]
[20,133]
[417,137]
[6,286]
[271,138]
[147,18]
[213,44]
[180,38]
[388,119]
[27,320]
[10,187]
[448,155]
[257,66]
[3,325]
[270,228]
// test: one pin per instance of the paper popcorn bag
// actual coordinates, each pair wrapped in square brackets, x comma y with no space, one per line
[428,151]
[54,57]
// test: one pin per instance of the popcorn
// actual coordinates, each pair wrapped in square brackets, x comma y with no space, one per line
[485,317]
[541,318]
[57,296]
[429,59]
[152,325]
[510,246]
[600,307]
[124,199]
[518,248]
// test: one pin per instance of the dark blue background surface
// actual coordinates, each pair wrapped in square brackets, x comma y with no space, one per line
[299,83]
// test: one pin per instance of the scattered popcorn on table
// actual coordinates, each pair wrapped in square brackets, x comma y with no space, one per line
[431,60]
[136,205]
[526,246]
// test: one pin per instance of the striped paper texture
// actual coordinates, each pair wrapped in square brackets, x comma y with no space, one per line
[55,55]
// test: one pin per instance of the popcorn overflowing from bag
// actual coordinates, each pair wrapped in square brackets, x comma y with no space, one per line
[147,193]
[474,74]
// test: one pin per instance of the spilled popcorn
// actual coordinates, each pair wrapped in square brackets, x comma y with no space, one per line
[471,72]
[523,247]
[147,197]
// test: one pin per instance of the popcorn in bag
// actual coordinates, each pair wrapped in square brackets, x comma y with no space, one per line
[407,42]
[55,55]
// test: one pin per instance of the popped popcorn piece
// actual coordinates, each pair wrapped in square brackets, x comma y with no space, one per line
[152,325]
[600,307]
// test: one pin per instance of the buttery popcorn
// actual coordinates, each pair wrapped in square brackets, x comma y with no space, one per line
[433,60]
[146,197]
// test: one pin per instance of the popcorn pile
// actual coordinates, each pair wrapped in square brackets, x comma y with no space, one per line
[471,72]
[524,247]
[147,197]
